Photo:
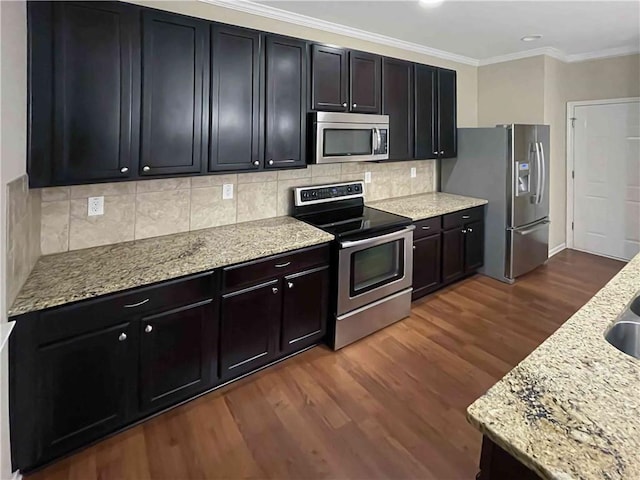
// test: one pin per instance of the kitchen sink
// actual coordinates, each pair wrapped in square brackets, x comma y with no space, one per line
[624,334]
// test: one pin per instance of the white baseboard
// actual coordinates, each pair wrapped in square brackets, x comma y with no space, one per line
[557,249]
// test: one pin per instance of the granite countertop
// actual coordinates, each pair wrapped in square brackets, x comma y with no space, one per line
[426,205]
[571,409]
[81,274]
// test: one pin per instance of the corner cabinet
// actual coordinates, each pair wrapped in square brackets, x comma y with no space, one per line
[446,249]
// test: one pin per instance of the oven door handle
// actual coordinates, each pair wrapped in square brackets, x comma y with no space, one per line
[387,236]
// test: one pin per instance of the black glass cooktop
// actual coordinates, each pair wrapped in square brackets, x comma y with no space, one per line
[355,221]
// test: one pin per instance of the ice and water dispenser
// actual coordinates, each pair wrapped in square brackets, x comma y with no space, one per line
[523,179]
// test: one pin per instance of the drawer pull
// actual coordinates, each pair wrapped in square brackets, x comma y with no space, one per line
[426,228]
[122,337]
[466,217]
[133,305]
[282,265]
[274,290]
[290,284]
[148,329]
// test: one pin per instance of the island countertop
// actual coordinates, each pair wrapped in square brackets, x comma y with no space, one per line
[426,205]
[81,274]
[571,409]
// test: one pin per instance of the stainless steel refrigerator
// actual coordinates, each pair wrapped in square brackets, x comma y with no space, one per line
[509,166]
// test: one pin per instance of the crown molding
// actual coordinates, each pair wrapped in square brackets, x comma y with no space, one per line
[606,53]
[549,51]
[310,22]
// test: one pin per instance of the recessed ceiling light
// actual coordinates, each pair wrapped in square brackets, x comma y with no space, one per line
[531,38]
[430,3]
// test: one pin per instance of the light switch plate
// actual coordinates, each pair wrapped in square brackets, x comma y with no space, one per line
[414,174]
[227,191]
[367,177]
[95,206]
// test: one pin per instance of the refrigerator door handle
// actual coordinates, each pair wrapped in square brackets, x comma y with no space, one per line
[538,226]
[538,173]
[544,173]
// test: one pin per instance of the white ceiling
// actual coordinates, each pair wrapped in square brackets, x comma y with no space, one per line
[483,31]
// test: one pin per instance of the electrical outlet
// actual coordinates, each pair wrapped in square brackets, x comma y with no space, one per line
[95,206]
[414,174]
[367,177]
[227,191]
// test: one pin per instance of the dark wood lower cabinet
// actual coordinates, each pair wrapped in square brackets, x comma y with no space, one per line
[474,246]
[452,254]
[427,254]
[497,464]
[248,328]
[178,354]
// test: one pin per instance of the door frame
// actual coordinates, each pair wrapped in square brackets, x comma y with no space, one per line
[571,106]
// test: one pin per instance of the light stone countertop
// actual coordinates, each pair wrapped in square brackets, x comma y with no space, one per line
[426,205]
[81,274]
[571,409]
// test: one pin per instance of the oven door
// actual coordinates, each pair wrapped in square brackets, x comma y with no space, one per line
[374,268]
[350,142]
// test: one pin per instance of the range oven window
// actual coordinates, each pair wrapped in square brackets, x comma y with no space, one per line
[345,142]
[376,266]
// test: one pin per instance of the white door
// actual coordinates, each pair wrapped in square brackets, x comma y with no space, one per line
[607,179]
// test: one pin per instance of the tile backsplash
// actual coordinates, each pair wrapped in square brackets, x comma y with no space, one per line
[142,209]
[23,234]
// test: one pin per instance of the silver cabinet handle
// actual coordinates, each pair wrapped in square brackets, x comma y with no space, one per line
[274,290]
[469,230]
[290,284]
[270,162]
[466,217]
[426,228]
[464,231]
[282,265]
[124,169]
[435,153]
[344,104]
[133,305]
[414,247]
[148,329]
[122,337]
[146,168]
[355,105]
[441,152]
[256,163]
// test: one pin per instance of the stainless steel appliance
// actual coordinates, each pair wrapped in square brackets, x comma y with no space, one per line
[349,137]
[373,258]
[509,166]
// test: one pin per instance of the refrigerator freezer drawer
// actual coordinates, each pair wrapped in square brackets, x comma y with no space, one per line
[528,248]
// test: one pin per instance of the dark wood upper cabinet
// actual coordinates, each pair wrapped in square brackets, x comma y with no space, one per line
[426,96]
[84,387]
[178,350]
[397,102]
[248,328]
[305,309]
[235,99]
[174,78]
[285,102]
[82,71]
[427,253]
[474,246]
[447,120]
[364,82]
[329,77]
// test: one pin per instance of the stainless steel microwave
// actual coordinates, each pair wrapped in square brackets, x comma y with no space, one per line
[349,137]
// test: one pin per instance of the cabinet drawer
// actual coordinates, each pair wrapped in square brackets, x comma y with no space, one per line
[250,273]
[90,315]
[457,219]
[427,227]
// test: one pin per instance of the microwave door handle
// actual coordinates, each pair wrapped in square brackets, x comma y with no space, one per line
[379,138]
[375,138]
[542,173]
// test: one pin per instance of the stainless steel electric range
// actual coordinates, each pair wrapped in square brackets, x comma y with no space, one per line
[373,258]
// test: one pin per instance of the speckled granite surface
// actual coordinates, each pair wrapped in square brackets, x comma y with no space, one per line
[426,205]
[571,409]
[81,274]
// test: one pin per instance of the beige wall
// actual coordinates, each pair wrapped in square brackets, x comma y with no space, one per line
[467,74]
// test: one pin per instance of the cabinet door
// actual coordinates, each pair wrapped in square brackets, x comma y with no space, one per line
[364,82]
[305,310]
[452,254]
[93,74]
[447,123]
[235,99]
[426,138]
[328,78]
[174,76]
[285,102]
[85,387]
[178,354]
[248,328]
[474,246]
[427,253]
[397,102]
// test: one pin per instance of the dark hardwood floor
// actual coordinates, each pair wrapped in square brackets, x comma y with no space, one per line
[390,406]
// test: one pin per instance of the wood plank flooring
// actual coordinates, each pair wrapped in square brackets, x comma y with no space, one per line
[390,406]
